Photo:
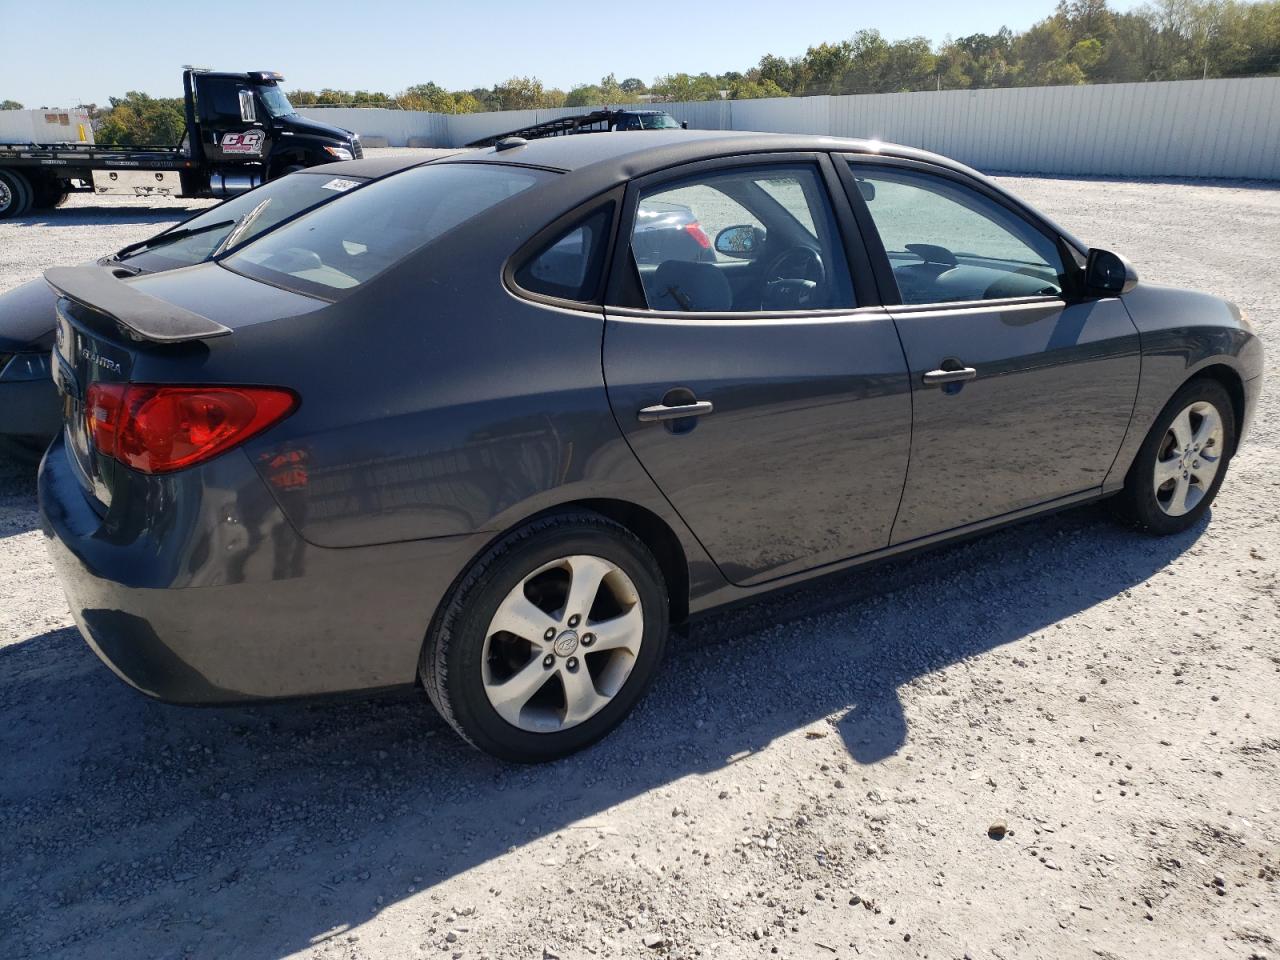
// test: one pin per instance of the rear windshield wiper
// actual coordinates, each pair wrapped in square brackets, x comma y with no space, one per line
[242,226]
[172,236]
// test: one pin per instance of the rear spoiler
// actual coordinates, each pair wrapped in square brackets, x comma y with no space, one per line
[143,316]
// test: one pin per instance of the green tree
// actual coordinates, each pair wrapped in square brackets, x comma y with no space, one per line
[10,105]
[684,86]
[586,95]
[1081,41]
[776,70]
[137,118]
[525,93]
[755,90]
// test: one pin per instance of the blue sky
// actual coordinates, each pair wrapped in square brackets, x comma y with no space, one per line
[87,51]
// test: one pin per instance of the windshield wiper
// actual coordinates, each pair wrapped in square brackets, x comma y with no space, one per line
[240,228]
[172,236]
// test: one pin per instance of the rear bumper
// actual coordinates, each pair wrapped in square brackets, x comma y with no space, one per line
[213,598]
[30,408]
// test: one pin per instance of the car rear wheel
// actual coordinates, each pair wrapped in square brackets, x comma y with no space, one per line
[549,639]
[1182,462]
[15,194]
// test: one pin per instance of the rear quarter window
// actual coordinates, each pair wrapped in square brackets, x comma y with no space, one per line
[572,266]
[347,243]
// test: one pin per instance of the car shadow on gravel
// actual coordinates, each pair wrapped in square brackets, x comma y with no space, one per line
[104,216]
[134,828]
[17,496]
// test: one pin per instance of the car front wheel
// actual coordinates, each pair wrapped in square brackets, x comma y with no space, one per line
[1182,462]
[549,639]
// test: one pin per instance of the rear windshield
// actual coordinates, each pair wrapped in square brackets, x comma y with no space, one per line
[343,245]
[197,239]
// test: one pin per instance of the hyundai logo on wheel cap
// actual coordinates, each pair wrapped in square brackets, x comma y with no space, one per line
[566,643]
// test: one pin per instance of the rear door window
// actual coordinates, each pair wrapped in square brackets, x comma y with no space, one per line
[347,243]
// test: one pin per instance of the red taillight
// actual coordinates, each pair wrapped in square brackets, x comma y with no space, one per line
[158,429]
[695,230]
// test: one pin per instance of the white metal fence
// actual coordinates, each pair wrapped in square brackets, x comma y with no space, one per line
[1190,128]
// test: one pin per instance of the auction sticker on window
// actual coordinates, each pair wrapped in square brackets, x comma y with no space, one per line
[337,183]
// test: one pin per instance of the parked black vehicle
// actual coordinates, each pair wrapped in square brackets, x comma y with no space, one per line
[241,131]
[383,445]
[30,409]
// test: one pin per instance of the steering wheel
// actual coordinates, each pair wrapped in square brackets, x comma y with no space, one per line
[795,279]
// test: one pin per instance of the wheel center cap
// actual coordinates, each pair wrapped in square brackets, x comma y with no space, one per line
[566,644]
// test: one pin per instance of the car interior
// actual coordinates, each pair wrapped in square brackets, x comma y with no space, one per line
[774,262]
[946,242]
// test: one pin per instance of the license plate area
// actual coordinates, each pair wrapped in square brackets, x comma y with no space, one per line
[72,374]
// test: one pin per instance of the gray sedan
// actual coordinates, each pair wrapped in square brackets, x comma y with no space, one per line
[468,428]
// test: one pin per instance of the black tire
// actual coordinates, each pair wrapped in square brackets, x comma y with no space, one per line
[451,661]
[15,194]
[48,195]
[285,171]
[1137,505]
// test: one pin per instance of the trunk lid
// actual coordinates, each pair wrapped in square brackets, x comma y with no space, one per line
[114,329]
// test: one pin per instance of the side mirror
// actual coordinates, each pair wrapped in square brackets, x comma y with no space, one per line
[248,113]
[1109,274]
[867,189]
[684,124]
[743,241]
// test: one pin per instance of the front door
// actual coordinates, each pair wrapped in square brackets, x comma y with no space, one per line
[1022,396]
[233,124]
[771,410]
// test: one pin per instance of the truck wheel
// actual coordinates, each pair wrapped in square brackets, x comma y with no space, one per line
[15,194]
[47,195]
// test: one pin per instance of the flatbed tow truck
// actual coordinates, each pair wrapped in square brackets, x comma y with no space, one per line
[597,121]
[240,132]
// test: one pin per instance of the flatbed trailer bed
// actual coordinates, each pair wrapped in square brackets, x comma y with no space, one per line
[92,155]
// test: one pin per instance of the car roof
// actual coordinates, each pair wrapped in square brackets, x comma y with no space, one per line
[380,166]
[606,159]
[639,151]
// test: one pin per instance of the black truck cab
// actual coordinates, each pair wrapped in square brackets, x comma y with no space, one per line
[245,117]
[241,131]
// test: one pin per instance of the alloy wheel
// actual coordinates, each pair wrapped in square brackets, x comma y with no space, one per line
[1188,459]
[562,643]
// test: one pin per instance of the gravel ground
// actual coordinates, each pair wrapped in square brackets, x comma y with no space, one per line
[813,776]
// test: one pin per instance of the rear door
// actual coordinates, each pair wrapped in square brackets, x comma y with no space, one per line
[1022,391]
[767,400]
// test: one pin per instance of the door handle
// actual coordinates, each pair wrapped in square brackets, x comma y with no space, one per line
[661,411]
[943,376]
